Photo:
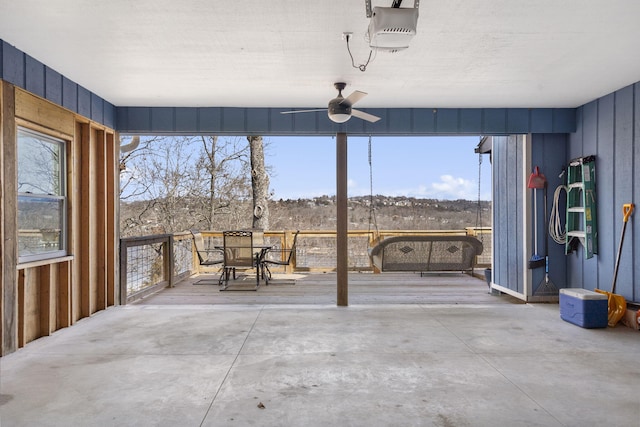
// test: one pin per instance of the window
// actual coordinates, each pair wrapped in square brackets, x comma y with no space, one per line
[41,196]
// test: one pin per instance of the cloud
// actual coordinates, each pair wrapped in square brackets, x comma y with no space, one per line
[450,187]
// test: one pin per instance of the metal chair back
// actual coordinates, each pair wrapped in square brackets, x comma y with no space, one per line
[205,255]
[285,255]
[238,249]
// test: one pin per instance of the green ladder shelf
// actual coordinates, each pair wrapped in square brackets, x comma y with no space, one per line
[581,223]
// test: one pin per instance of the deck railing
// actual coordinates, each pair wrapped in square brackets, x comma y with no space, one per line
[152,262]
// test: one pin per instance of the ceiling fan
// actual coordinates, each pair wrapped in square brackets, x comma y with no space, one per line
[339,109]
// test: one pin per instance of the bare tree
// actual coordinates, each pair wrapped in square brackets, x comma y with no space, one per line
[221,180]
[171,184]
[157,180]
[131,187]
[259,183]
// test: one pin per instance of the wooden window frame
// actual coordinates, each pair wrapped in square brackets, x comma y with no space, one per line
[61,197]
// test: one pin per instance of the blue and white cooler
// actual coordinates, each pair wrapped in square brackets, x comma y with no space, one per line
[584,308]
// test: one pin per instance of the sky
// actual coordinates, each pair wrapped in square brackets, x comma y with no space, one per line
[421,167]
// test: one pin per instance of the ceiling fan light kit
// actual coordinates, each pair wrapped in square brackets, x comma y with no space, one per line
[339,111]
[340,108]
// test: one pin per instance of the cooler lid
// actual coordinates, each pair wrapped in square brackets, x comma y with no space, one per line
[582,293]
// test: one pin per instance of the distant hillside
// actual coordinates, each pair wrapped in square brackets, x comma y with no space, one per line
[318,213]
[406,213]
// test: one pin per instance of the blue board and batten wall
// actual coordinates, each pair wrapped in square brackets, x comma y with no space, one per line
[549,153]
[23,71]
[395,121]
[608,128]
[508,219]
[513,159]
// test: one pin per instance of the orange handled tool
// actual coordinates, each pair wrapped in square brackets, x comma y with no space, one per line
[627,210]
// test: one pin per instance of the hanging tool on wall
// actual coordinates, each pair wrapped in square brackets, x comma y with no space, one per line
[617,303]
[546,286]
[556,229]
[581,222]
[536,181]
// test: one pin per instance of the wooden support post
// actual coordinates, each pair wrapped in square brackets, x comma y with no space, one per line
[9,222]
[123,273]
[112,233]
[167,260]
[45,309]
[342,237]
[64,295]
[101,291]
[87,257]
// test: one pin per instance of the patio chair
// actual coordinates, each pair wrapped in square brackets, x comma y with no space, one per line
[283,258]
[206,257]
[238,253]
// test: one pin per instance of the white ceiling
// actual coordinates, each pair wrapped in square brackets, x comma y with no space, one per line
[288,53]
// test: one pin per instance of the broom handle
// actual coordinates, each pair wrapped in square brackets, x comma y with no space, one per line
[627,210]
[535,221]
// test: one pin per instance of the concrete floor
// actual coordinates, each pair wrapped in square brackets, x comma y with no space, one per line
[470,364]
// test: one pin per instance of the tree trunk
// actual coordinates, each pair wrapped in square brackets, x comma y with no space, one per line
[212,182]
[259,183]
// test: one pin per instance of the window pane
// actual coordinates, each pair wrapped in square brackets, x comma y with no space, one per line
[40,222]
[39,164]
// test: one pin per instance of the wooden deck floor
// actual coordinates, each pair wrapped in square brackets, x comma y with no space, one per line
[320,288]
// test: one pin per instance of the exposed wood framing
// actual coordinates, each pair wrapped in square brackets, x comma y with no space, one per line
[87,258]
[41,297]
[101,219]
[9,224]
[111,204]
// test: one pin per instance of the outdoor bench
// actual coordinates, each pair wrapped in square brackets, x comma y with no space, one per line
[426,253]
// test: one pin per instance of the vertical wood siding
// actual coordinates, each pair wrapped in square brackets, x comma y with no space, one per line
[513,225]
[609,127]
[395,121]
[38,298]
[508,249]
[549,153]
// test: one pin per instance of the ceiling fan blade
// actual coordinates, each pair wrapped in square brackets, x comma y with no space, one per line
[364,116]
[302,111]
[354,97]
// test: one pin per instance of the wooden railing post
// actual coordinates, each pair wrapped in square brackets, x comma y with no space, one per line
[167,259]
[124,261]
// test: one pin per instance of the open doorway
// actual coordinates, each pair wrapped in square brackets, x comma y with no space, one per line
[397,185]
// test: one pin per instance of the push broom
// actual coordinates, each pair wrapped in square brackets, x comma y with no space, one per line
[536,181]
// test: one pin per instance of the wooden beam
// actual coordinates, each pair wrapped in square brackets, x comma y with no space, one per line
[342,238]
[112,197]
[21,278]
[45,311]
[101,219]
[63,305]
[42,112]
[74,174]
[87,222]
[9,221]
